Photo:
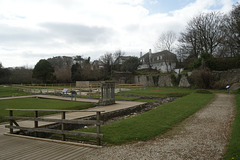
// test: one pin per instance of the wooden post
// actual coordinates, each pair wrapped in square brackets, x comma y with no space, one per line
[63,117]
[98,128]
[35,122]
[11,121]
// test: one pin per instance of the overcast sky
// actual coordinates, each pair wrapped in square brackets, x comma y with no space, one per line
[31,30]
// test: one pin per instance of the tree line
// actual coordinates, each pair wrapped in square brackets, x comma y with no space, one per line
[65,69]
[213,33]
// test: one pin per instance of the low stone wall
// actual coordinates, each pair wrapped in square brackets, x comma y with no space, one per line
[165,81]
[184,82]
[151,81]
[221,79]
[230,77]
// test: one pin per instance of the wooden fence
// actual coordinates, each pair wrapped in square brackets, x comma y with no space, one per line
[12,119]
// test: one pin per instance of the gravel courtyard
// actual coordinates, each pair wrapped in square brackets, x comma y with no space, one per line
[204,135]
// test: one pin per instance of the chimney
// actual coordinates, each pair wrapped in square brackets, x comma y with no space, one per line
[140,54]
[150,55]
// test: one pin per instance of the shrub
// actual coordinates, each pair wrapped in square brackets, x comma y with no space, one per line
[175,79]
[202,78]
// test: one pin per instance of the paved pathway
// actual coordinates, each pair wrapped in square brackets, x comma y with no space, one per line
[201,136]
[13,148]
[74,115]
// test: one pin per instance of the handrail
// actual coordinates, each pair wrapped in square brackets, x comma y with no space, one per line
[62,121]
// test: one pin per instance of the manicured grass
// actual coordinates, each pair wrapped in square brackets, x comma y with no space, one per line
[158,92]
[154,122]
[7,91]
[233,151]
[37,103]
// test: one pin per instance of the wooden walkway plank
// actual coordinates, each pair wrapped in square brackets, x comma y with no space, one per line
[76,156]
[14,151]
[36,150]
[52,152]
[71,153]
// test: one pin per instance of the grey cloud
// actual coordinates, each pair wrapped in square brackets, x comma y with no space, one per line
[76,33]
[17,35]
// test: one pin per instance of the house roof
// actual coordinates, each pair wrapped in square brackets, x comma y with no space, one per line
[123,58]
[169,55]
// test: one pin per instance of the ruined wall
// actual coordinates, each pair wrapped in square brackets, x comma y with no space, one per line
[165,81]
[123,77]
[231,76]
[184,81]
[151,81]
[144,80]
[223,78]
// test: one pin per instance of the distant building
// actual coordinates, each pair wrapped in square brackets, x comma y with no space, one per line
[164,61]
[97,64]
[121,59]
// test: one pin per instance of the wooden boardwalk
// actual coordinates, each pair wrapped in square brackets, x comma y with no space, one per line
[15,148]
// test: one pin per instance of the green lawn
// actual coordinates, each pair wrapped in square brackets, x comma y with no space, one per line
[154,122]
[158,92]
[37,103]
[233,151]
[7,91]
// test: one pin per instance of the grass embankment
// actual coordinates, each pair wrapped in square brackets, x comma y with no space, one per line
[154,122]
[233,151]
[37,103]
[7,91]
[158,92]
[143,94]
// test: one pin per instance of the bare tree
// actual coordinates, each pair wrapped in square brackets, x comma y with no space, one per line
[118,53]
[107,60]
[203,34]
[231,44]
[165,41]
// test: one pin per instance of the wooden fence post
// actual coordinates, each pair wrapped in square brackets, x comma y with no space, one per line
[11,121]
[35,122]
[63,117]
[98,128]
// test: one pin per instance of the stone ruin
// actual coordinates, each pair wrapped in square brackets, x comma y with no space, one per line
[107,93]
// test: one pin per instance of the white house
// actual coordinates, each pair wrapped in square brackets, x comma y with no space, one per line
[164,61]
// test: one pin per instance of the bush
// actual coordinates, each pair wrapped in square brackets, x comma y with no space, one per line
[175,80]
[202,78]
[222,64]
[217,64]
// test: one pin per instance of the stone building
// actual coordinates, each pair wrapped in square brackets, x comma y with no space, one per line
[164,61]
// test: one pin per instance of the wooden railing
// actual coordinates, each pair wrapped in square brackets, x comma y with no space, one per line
[12,119]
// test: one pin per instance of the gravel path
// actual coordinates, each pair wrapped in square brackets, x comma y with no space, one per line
[201,136]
